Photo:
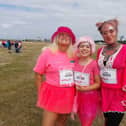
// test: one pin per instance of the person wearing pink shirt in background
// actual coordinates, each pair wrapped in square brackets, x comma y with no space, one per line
[56,93]
[87,80]
[112,64]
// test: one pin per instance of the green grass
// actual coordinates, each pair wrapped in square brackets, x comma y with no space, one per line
[17,89]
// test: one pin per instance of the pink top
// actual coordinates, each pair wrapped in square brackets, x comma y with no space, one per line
[51,64]
[116,95]
[91,69]
[116,61]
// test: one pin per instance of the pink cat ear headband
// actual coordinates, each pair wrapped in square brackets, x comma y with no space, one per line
[113,22]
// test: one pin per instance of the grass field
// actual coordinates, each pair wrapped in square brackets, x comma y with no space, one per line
[17,89]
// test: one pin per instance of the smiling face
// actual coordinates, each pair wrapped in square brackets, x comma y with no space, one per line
[109,33]
[84,49]
[64,41]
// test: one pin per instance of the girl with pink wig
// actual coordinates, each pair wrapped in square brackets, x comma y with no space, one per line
[87,80]
[112,64]
[56,93]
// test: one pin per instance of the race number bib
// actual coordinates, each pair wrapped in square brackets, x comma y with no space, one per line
[66,77]
[81,79]
[109,76]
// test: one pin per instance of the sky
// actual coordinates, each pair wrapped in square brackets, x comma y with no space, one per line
[38,19]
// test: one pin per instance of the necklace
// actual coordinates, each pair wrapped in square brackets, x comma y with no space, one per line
[108,51]
[112,46]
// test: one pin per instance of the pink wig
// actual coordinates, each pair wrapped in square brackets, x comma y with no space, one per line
[86,39]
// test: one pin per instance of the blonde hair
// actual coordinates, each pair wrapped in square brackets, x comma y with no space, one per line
[54,47]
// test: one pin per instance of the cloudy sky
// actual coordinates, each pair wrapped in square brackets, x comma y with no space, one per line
[38,19]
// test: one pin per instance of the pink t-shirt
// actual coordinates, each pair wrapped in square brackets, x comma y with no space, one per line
[51,64]
[91,68]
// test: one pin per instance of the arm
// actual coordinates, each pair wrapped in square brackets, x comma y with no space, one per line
[124,89]
[40,69]
[38,80]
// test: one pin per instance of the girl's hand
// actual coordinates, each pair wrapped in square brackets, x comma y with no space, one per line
[82,88]
[73,115]
[91,87]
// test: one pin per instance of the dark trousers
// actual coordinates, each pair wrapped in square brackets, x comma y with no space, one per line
[113,118]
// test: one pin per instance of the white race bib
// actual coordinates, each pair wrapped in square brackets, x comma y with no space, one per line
[81,79]
[109,76]
[66,77]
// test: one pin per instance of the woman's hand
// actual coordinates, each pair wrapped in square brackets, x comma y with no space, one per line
[123,103]
[124,88]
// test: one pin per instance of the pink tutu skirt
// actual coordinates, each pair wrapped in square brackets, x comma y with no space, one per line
[88,105]
[56,99]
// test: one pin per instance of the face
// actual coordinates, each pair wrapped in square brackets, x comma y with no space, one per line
[109,34]
[64,41]
[84,49]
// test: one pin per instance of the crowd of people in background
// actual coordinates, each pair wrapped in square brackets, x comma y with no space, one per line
[11,45]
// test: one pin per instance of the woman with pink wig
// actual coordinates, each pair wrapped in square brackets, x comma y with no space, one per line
[112,64]
[56,93]
[87,80]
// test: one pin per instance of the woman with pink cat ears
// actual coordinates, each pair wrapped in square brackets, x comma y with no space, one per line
[56,93]
[112,64]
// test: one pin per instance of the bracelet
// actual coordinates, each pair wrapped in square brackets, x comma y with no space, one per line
[123,103]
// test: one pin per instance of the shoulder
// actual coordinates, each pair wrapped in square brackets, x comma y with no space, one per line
[98,52]
[45,51]
[123,46]
[94,67]
[44,54]
[75,59]
[94,62]
[122,49]
[99,49]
